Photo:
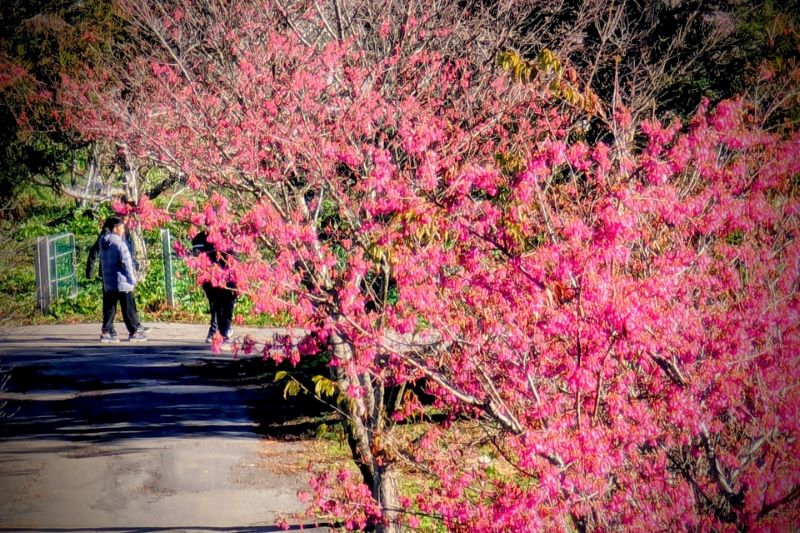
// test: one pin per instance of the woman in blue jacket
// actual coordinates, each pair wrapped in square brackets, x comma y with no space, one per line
[119,279]
[92,260]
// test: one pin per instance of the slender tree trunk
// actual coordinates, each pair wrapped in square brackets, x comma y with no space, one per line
[131,187]
[397,398]
[91,176]
[385,489]
[365,421]
[139,247]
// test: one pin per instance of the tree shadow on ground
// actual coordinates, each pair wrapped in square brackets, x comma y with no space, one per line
[98,393]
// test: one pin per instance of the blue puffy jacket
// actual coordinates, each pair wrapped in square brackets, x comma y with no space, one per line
[118,272]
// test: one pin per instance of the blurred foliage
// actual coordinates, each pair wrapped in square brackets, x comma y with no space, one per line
[760,62]
[664,56]
[41,41]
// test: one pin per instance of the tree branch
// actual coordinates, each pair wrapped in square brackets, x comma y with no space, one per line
[670,368]
[90,197]
[716,470]
[165,184]
[791,495]
[491,407]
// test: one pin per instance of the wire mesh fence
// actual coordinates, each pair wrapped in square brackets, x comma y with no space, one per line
[55,269]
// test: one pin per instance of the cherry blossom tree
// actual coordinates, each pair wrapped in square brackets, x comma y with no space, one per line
[609,330]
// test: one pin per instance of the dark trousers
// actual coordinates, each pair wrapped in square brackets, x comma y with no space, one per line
[129,314]
[220,303]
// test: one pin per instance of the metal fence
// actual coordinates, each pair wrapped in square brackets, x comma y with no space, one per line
[55,269]
[166,256]
[55,265]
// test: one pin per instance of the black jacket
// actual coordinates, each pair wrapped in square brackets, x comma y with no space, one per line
[200,245]
[94,253]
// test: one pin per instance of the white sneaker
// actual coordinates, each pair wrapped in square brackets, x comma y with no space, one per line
[137,337]
[107,338]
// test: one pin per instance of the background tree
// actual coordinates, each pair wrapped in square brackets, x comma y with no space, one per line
[660,58]
[42,42]
[619,326]
[771,55]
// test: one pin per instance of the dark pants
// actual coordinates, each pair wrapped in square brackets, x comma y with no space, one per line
[220,303]
[129,314]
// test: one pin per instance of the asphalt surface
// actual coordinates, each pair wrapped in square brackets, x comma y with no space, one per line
[132,437]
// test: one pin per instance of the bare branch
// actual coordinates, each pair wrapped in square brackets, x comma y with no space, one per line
[790,496]
[492,407]
[716,470]
[670,367]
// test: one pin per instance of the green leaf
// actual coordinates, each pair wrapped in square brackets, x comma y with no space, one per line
[324,386]
[292,389]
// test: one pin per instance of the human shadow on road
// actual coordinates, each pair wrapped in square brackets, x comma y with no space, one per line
[100,393]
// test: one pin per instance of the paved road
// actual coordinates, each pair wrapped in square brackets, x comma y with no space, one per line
[135,437]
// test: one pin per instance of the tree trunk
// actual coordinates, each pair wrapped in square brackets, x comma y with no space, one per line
[131,186]
[365,420]
[139,250]
[91,176]
[385,490]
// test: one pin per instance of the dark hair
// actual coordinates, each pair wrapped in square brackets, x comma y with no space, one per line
[200,243]
[113,222]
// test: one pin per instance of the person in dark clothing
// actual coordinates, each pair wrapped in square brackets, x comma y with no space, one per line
[93,258]
[221,300]
[119,279]
[94,253]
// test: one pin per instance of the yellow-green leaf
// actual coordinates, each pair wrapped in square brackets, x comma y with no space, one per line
[324,386]
[292,389]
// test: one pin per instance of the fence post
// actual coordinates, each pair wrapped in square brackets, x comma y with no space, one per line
[166,255]
[42,267]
